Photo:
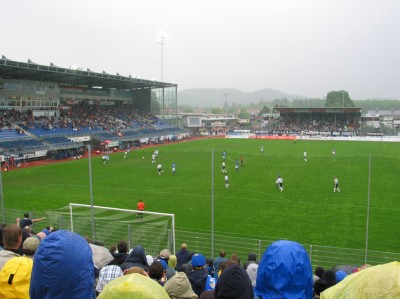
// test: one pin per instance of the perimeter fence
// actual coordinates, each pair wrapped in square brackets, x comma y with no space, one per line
[200,241]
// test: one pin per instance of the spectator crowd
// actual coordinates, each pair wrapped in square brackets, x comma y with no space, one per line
[112,118]
[63,264]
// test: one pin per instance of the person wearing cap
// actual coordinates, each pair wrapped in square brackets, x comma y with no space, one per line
[179,287]
[181,257]
[165,255]
[198,277]
[30,245]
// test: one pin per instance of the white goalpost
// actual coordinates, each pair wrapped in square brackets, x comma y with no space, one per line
[154,231]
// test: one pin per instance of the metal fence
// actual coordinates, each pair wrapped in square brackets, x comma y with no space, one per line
[326,256]
[200,241]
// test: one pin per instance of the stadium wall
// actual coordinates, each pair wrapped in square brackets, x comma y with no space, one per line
[319,137]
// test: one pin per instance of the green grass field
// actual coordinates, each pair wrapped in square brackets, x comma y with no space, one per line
[307,211]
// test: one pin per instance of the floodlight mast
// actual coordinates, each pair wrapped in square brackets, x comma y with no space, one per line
[162,42]
[343,92]
[226,104]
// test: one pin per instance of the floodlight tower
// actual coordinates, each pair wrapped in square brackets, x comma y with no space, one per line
[162,41]
[226,104]
[343,92]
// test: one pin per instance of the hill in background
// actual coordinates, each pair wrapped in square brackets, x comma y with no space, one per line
[204,97]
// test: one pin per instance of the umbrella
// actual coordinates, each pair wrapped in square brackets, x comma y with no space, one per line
[101,255]
[381,281]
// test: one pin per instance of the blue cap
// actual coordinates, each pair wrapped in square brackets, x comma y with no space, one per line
[340,275]
[163,263]
[198,261]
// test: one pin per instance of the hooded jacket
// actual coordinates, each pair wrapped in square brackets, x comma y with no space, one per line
[137,258]
[234,283]
[120,257]
[285,272]
[198,280]
[63,268]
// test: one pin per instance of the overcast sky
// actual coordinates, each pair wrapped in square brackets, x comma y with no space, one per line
[302,47]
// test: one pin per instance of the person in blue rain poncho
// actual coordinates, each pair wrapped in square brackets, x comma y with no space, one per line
[63,268]
[285,272]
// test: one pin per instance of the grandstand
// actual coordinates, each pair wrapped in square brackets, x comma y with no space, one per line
[324,121]
[50,108]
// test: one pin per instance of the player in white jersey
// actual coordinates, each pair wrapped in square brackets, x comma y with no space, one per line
[279,182]
[159,167]
[125,154]
[223,167]
[262,149]
[226,181]
[153,158]
[336,184]
[305,156]
[106,159]
[333,152]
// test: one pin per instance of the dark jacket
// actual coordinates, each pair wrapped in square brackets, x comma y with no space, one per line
[137,258]
[120,258]
[198,280]
[181,258]
[234,283]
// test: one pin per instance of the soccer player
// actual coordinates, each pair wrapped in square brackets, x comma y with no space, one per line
[226,181]
[241,161]
[237,165]
[333,152]
[336,184]
[26,221]
[223,155]
[223,167]
[153,158]
[106,159]
[262,149]
[305,156]
[173,167]
[159,167]
[125,154]
[279,182]
[140,206]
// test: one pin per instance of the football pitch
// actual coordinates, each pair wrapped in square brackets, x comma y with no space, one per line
[307,211]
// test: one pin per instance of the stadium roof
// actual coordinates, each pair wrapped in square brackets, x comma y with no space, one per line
[319,110]
[10,69]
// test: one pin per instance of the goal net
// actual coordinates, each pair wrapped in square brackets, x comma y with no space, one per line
[154,231]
